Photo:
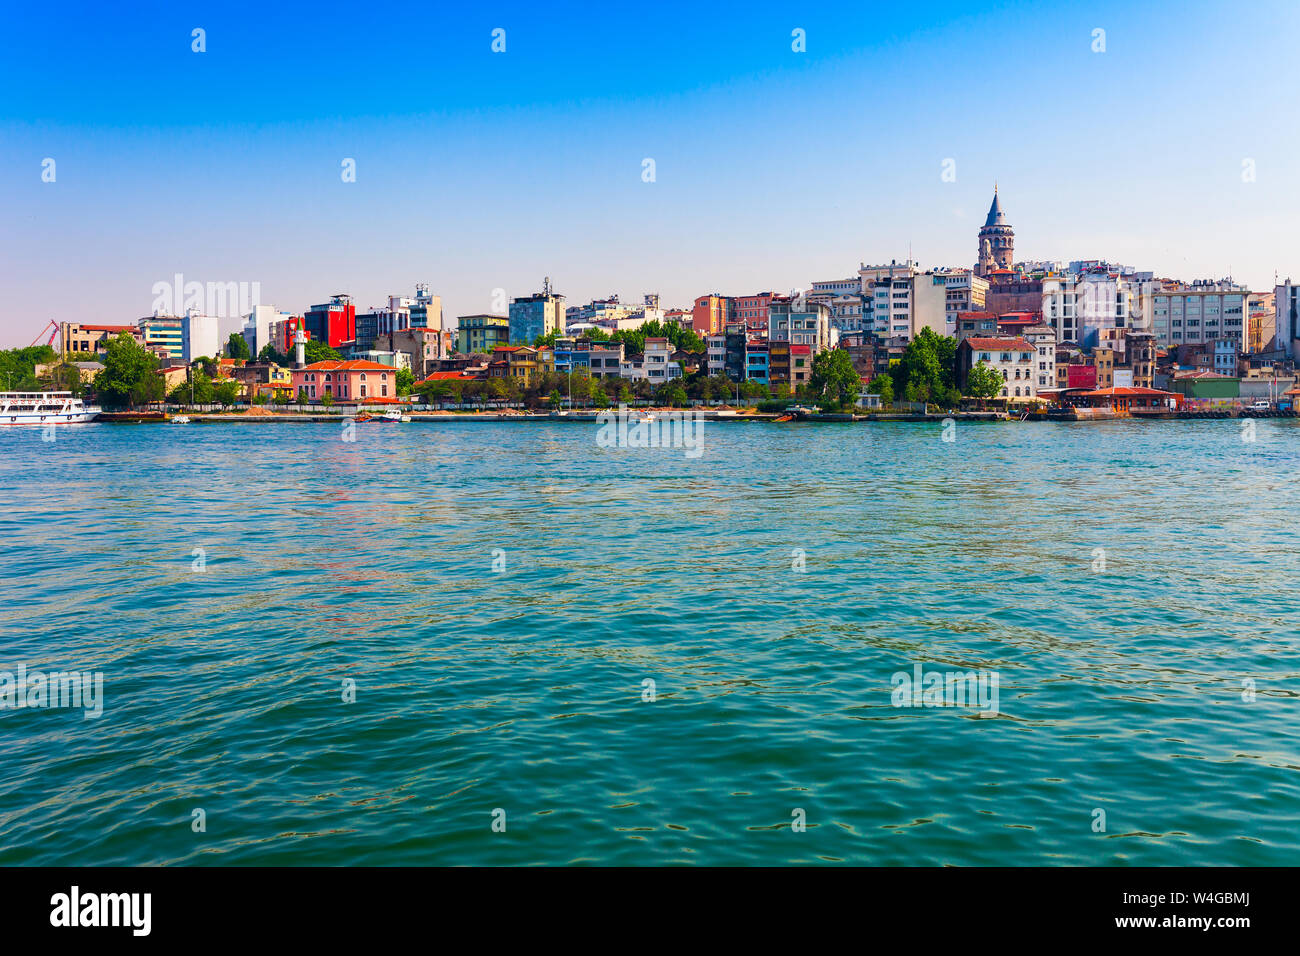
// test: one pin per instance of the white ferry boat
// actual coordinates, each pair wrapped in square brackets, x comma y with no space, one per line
[44,408]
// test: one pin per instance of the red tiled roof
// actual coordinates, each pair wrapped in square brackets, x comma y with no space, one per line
[444,376]
[1124,391]
[352,365]
[801,350]
[1007,344]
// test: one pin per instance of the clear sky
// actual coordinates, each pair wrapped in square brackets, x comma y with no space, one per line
[478,170]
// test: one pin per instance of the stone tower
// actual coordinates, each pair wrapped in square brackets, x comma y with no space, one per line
[997,240]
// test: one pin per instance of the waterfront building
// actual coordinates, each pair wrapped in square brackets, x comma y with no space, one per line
[536,315]
[1012,356]
[804,324]
[1181,313]
[84,338]
[351,380]
[481,332]
[426,309]
[199,337]
[420,347]
[757,358]
[658,365]
[163,336]
[605,359]
[753,311]
[844,301]
[1080,307]
[1043,338]
[1286,317]
[333,322]
[711,314]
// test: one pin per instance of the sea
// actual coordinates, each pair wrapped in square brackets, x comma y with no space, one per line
[511,643]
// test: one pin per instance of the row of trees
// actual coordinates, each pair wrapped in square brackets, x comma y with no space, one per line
[682,339]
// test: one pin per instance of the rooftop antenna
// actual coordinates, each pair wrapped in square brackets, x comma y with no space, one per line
[546,285]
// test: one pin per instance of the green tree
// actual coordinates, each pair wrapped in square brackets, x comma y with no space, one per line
[315,351]
[226,392]
[18,367]
[883,386]
[130,375]
[269,355]
[834,378]
[405,381]
[984,381]
[671,393]
[237,347]
[925,372]
[327,399]
[598,397]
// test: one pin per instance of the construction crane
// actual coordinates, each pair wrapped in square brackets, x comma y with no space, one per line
[53,329]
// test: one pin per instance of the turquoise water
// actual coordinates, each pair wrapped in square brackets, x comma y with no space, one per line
[521,689]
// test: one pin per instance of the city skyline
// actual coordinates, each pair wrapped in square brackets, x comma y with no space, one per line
[488,171]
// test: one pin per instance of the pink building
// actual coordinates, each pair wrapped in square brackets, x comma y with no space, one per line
[352,381]
[755,310]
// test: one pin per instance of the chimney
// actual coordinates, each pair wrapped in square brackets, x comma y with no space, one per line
[300,348]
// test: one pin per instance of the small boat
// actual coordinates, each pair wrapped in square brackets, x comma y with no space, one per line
[393,416]
[179,420]
[786,418]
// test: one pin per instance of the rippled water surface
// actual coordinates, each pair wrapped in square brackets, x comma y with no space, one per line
[1127,690]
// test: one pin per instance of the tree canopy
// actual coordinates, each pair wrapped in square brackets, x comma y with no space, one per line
[834,378]
[129,377]
[237,347]
[925,372]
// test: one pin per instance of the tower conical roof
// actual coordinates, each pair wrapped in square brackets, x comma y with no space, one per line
[996,216]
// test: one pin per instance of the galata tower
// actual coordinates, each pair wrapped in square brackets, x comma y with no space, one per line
[997,240]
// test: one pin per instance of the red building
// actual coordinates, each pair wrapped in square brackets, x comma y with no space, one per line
[754,310]
[334,322]
[1081,376]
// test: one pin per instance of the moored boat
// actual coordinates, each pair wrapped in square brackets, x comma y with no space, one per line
[44,408]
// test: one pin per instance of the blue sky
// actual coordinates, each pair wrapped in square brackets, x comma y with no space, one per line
[478,171]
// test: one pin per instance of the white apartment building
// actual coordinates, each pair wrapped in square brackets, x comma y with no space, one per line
[199,336]
[1189,314]
[1078,308]
[964,291]
[1043,339]
[1286,306]
[656,365]
[896,299]
[1014,357]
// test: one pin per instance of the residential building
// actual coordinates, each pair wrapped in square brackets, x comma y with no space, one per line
[658,363]
[1012,356]
[84,338]
[199,337]
[482,332]
[806,323]
[605,360]
[163,336]
[1181,313]
[712,314]
[536,315]
[354,380]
